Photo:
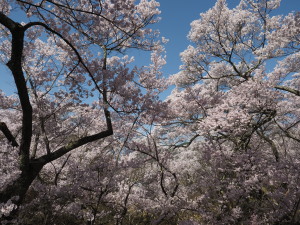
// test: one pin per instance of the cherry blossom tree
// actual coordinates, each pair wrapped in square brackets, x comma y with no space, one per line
[71,82]
[239,115]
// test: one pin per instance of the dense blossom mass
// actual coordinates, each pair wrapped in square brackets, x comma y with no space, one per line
[85,138]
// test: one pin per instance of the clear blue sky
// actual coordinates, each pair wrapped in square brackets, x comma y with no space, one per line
[175,25]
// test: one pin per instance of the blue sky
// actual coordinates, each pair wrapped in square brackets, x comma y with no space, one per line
[175,25]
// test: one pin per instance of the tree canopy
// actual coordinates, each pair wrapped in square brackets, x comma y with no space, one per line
[88,140]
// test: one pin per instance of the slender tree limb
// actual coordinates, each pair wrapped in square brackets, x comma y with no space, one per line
[60,170]
[162,169]
[288,89]
[188,143]
[287,133]
[271,143]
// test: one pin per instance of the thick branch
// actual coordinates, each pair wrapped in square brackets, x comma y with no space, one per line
[73,145]
[7,22]
[15,65]
[8,134]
